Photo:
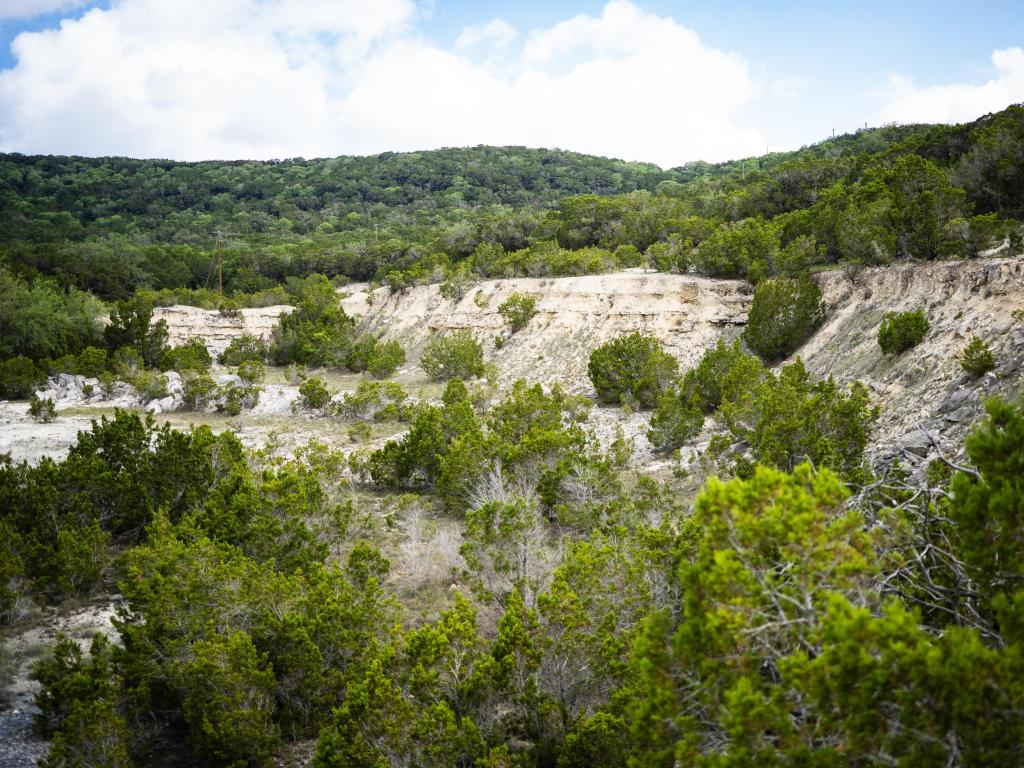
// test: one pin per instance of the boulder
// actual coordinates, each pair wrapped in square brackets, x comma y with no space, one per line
[955,401]
[918,443]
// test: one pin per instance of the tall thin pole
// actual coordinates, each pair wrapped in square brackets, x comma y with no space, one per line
[220,268]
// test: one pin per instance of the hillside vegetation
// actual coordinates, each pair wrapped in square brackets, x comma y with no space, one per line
[730,509]
[114,225]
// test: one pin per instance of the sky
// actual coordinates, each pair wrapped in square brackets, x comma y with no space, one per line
[659,81]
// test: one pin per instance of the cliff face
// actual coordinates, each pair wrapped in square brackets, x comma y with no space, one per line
[922,388]
[574,315]
[217,328]
[925,386]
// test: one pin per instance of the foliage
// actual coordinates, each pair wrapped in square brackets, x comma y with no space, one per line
[243,348]
[976,358]
[504,546]
[317,331]
[151,385]
[779,621]
[229,699]
[733,249]
[19,378]
[382,401]
[517,311]
[131,325]
[725,373]
[39,320]
[92,735]
[901,330]
[191,356]
[674,421]
[358,357]
[198,390]
[232,398]
[92,361]
[67,677]
[251,372]
[453,355]
[987,505]
[63,515]
[126,362]
[784,314]
[42,409]
[792,418]
[385,359]
[314,394]
[117,227]
[633,367]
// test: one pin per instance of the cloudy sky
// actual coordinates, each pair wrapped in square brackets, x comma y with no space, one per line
[655,80]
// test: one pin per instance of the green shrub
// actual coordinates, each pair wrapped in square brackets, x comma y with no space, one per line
[233,399]
[242,348]
[38,319]
[252,372]
[126,362]
[93,734]
[633,366]
[901,330]
[19,378]
[317,331]
[151,385]
[385,359]
[42,409]
[191,356]
[68,677]
[91,362]
[988,504]
[229,700]
[517,310]
[455,355]
[724,373]
[131,326]
[793,418]
[359,355]
[455,391]
[733,248]
[314,394]
[976,358]
[784,314]
[674,421]
[65,364]
[198,391]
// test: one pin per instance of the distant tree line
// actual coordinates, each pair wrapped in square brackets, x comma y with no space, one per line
[114,226]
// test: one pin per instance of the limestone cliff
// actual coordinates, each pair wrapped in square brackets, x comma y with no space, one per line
[574,315]
[217,328]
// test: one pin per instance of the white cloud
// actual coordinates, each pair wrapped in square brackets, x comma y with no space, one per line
[192,79]
[27,9]
[788,88]
[497,33]
[906,102]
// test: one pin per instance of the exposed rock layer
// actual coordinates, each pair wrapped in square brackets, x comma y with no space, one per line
[217,328]
[574,315]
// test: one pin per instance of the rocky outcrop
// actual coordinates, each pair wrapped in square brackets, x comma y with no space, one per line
[926,399]
[217,328]
[69,391]
[574,315]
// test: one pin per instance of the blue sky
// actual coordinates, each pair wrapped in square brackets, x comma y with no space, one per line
[719,79]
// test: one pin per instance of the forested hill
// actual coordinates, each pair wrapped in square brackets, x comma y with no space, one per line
[45,197]
[114,226]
